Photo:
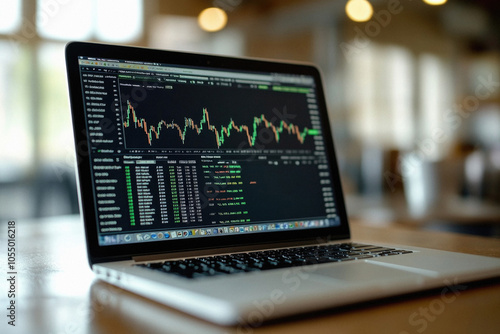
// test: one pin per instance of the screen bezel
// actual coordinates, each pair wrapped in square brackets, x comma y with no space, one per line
[98,253]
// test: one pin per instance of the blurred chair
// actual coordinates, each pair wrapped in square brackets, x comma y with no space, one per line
[44,193]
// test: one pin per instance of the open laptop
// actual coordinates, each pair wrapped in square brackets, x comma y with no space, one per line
[210,184]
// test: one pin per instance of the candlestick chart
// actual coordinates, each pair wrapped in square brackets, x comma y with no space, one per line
[153,132]
[187,124]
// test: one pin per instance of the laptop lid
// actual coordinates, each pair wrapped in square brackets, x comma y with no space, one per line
[179,152]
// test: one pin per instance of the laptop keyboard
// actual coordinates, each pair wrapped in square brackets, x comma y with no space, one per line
[271,259]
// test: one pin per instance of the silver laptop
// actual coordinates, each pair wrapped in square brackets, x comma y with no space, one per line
[210,184]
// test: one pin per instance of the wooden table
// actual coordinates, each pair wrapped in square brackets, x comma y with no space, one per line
[56,292]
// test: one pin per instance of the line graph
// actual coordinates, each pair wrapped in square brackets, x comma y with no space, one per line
[153,132]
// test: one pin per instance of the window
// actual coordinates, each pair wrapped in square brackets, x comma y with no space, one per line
[10,16]
[380,95]
[183,33]
[435,89]
[105,20]
[64,21]
[118,21]
[35,126]
[16,126]
[55,122]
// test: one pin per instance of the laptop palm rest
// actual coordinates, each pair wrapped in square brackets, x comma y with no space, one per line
[369,272]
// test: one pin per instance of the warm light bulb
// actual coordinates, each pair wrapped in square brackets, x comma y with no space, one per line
[359,10]
[212,19]
[435,2]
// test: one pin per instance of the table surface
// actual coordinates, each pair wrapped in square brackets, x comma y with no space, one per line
[57,293]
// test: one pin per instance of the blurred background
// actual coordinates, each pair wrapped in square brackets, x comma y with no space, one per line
[413,91]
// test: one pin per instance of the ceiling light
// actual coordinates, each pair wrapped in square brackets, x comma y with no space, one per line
[359,10]
[212,19]
[435,2]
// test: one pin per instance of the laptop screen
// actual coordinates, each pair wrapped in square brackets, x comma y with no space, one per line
[180,152]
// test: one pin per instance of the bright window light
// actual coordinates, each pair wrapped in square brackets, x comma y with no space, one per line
[105,20]
[435,91]
[55,122]
[119,21]
[177,33]
[65,20]
[10,16]
[15,126]
[400,98]
[379,87]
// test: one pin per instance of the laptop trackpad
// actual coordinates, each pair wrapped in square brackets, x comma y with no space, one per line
[366,272]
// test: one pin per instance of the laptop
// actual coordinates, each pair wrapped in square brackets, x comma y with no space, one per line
[210,184]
